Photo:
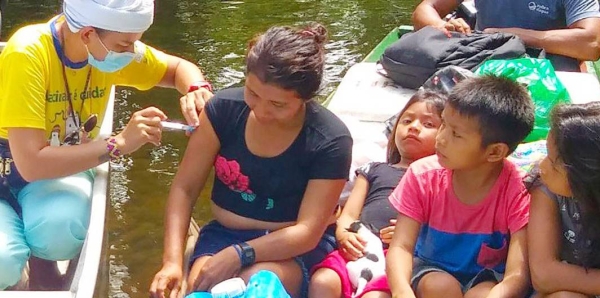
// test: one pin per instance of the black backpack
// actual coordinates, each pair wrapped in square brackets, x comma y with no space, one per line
[416,56]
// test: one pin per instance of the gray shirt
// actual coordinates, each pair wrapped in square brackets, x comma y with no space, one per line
[569,213]
[538,15]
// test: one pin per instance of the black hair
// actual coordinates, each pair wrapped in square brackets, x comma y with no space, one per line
[576,133]
[292,58]
[435,100]
[502,107]
[101,32]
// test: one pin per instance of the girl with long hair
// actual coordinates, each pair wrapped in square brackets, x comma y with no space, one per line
[413,137]
[564,225]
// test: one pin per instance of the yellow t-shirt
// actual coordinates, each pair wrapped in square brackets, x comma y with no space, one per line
[33,92]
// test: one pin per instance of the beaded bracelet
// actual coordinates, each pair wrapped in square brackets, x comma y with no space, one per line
[113,150]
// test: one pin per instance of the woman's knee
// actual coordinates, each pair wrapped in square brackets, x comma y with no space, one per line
[324,281]
[56,216]
[289,272]
[196,269]
[55,236]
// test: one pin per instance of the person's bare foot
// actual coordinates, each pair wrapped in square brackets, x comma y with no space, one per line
[44,275]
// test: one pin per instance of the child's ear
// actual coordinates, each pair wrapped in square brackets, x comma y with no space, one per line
[497,152]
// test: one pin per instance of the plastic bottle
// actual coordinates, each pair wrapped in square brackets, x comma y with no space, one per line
[230,288]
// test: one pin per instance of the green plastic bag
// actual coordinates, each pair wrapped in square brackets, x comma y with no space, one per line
[544,87]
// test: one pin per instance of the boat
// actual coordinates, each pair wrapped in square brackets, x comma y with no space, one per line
[376,53]
[373,56]
[371,99]
[80,274]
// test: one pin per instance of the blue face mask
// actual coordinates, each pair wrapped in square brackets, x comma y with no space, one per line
[112,62]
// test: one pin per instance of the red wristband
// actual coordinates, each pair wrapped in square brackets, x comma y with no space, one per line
[200,84]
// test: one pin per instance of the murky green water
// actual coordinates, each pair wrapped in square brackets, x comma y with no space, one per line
[214,34]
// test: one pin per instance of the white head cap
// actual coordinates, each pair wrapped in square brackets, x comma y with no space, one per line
[129,16]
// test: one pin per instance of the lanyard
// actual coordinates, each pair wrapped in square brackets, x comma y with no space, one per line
[68,91]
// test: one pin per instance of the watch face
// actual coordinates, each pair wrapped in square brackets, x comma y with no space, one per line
[248,255]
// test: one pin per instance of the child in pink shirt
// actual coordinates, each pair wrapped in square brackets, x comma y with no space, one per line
[461,231]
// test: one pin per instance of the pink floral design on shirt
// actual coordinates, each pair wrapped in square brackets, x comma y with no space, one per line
[229,172]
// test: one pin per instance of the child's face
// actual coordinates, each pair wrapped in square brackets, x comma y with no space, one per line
[416,130]
[458,141]
[552,171]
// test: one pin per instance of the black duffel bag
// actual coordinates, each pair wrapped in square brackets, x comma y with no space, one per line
[416,56]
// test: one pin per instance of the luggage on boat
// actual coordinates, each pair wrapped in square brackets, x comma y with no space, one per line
[446,78]
[416,56]
[441,82]
[544,87]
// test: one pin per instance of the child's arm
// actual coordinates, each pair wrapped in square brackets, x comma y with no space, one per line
[350,244]
[399,259]
[548,273]
[516,278]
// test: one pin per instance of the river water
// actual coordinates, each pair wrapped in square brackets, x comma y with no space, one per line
[214,34]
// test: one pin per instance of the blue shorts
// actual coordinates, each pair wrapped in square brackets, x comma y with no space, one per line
[215,237]
[422,268]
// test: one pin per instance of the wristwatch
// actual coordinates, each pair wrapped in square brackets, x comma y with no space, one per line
[247,254]
[200,84]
